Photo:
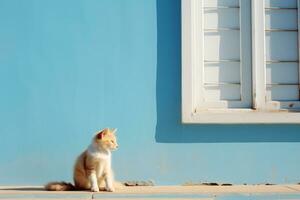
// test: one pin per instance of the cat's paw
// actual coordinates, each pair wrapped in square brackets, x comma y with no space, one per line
[110,189]
[95,189]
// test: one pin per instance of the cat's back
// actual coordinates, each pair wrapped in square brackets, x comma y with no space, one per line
[79,164]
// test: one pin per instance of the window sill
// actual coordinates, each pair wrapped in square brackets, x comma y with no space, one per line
[241,116]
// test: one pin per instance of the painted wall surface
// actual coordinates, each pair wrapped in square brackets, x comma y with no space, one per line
[71,67]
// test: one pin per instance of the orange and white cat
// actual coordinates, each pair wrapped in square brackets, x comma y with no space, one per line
[93,168]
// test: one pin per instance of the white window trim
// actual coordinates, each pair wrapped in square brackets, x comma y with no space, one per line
[261,113]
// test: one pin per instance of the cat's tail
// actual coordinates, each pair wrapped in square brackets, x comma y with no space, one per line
[59,186]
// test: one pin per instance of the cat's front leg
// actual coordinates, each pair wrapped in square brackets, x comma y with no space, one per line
[94,182]
[109,181]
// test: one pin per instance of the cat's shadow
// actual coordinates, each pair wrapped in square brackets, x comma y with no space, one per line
[24,189]
[34,189]
[169,128]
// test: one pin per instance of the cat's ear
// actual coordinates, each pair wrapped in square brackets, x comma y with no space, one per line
[101,134]
[114,130]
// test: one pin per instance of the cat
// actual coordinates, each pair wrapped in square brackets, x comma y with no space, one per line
[93,167]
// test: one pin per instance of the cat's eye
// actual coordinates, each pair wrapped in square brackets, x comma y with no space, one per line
[112,141]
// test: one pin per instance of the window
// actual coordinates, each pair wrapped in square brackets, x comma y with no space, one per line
[240,61]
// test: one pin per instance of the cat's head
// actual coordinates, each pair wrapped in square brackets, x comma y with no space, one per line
[106,139]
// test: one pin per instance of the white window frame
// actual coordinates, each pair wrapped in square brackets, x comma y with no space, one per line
[262,112]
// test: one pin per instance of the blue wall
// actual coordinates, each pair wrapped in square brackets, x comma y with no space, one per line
[71,67]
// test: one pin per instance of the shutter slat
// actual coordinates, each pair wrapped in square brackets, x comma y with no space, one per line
[282,46]
[214,18]
[281,3]
[222,72]
[216,3]
[281,19]
[222,45]
[222,92]
[283,93]
[282,73]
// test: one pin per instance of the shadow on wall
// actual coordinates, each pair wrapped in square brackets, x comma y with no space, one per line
[169,128]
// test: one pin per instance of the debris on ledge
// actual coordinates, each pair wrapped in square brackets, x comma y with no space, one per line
[139,183]
[226,184]
[270,184]
[206,183]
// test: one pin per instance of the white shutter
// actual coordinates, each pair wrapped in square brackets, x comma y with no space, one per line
[282,54]
[237,65]
[225,64]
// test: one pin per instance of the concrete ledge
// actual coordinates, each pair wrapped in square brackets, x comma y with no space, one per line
[249,192]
